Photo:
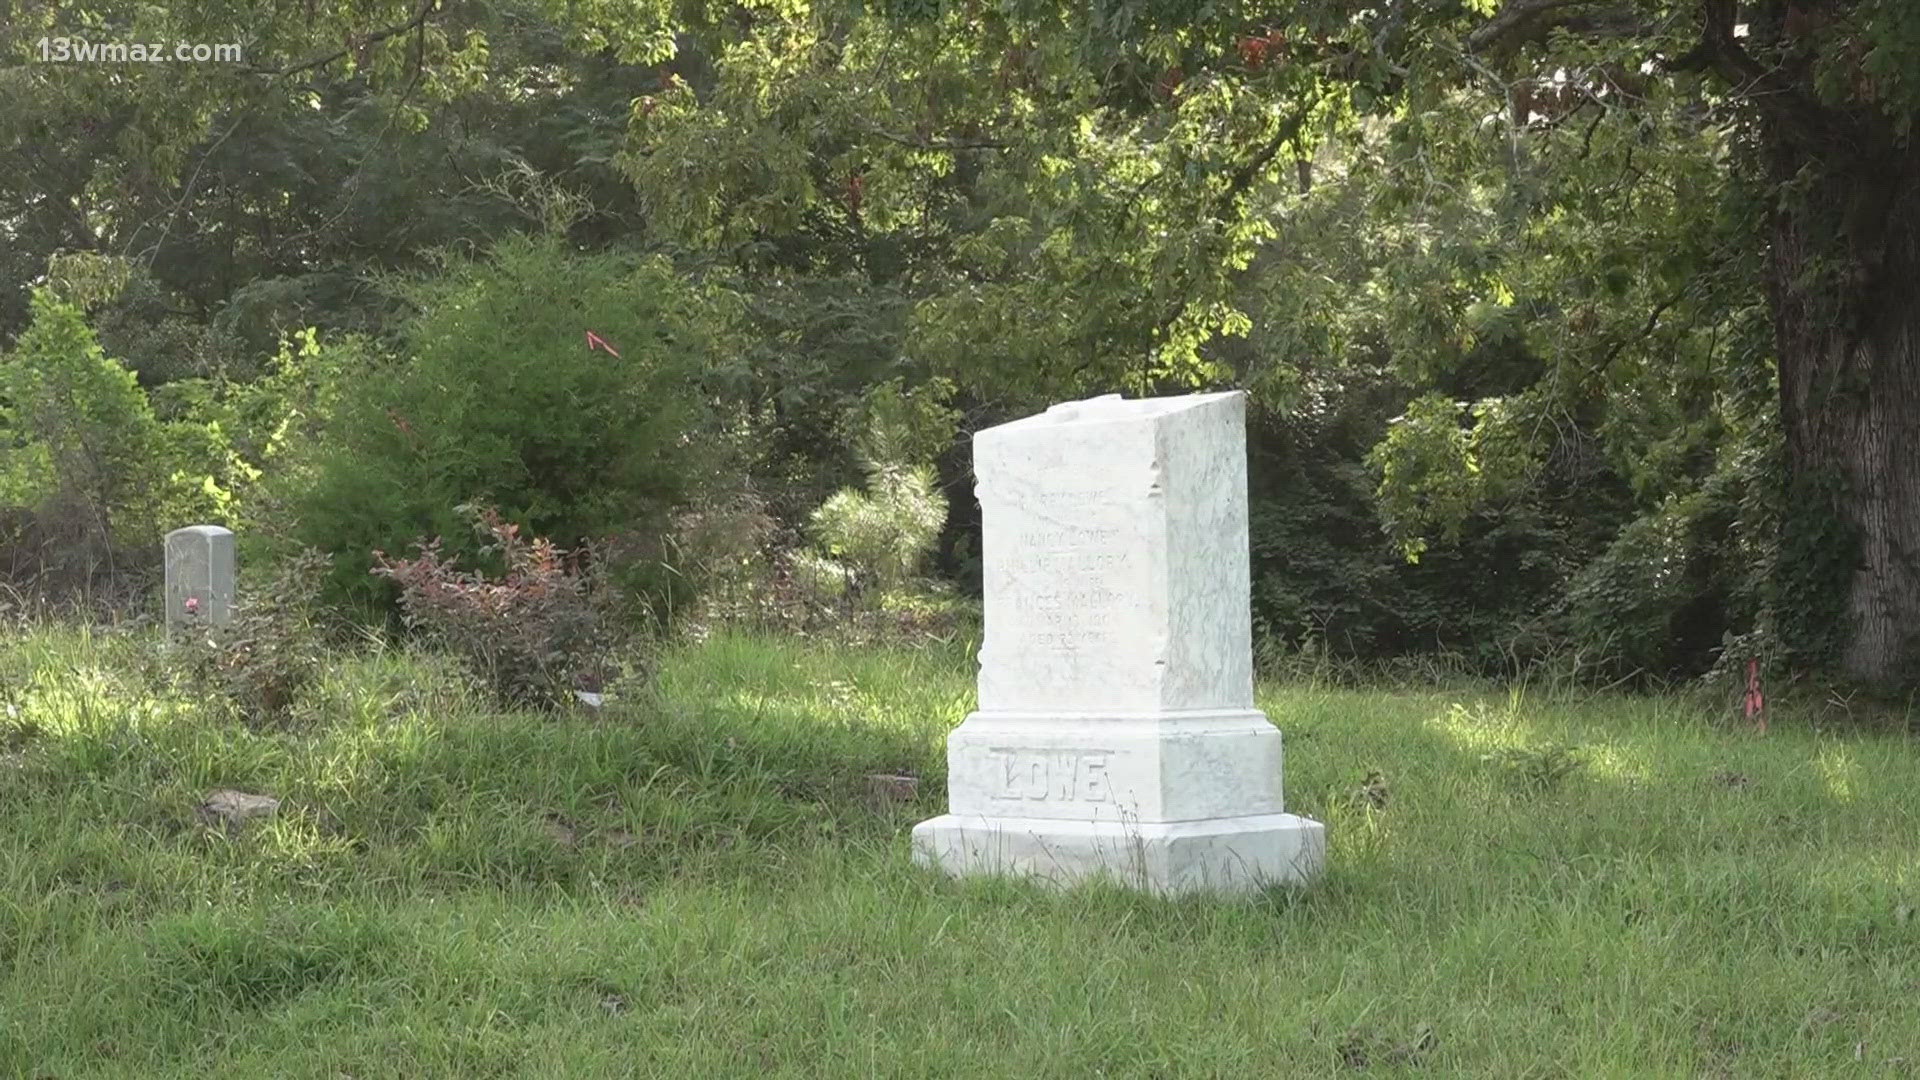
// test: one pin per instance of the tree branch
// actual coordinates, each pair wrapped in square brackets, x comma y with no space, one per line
[1773,90]
[1528,20]
[1238,184]
[1586,141]
[418,22]
[1392,24]
[1719,50]
[1244,176]
[1653,320]
[1513,17]
[919,143]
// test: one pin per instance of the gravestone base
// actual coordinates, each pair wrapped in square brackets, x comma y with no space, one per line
[1178,765]
[1216,855]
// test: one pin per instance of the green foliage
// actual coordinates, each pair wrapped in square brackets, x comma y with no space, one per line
[77,423]
[79,444]
[901,427]
[85,279]
[884,534]
[718,553]
[1436,470]
[1556,247]
[98,461]
[1581,302]
[1057,224]
[1322,571]
[230,432]
[498,397]
[1539,768]
[1621,604]
[875,542]
[1690,586]
[234,447]
[813,347]
[1812,569]
[273,647]
[206,473]
[412,59]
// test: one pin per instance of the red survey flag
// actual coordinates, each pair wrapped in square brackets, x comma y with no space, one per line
[596,341]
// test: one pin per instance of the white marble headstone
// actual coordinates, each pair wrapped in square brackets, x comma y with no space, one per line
[199,586]
[1116,732]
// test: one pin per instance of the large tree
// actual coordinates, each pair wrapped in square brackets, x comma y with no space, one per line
[1831,89]
[1819,98]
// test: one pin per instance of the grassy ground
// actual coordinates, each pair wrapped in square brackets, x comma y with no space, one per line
[698,883]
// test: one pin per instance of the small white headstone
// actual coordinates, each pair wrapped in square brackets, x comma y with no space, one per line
[199,576]
[1116,732]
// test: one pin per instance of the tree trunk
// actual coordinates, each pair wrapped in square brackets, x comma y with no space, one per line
[1844,283]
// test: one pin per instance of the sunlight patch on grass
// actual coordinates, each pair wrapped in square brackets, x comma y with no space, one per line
[295,840]
[1479,729]
[1838,770]
[1855,871]
[1616,761]
[905,692]
[85,700]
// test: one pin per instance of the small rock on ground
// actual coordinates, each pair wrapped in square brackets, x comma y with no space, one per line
[233,808]
[888,788]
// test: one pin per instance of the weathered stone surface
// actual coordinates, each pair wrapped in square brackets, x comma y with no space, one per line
[1116,732]
[1176,767]
[1234,854]
[199,576]
[1115,555]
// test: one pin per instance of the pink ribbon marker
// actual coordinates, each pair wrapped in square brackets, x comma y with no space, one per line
[1756,701]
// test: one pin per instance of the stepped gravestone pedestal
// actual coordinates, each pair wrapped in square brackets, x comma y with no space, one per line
[199,586]
[1116,733]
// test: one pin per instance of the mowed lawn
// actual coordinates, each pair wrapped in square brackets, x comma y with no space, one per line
[699,881]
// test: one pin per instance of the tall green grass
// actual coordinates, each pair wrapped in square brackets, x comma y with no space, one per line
[697,880]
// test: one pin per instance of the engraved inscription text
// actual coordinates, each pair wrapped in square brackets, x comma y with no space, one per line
[1051,775]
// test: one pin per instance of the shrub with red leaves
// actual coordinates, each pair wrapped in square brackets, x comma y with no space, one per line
[527,636]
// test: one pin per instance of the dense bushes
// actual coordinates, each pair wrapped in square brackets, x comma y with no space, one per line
[94,468]
[1326,575]
[499,395]
[872,542]
[1691,584]
[1322,570]
[856,563]
[599,400]
[82,461]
